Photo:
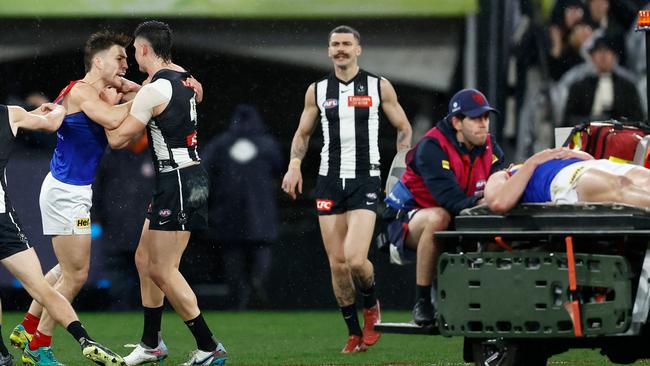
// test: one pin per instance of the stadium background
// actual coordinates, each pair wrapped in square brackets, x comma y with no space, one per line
[264,53]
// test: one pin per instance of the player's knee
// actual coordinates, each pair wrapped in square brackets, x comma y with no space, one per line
[141,262]
[158,277]
[356,264]
[437,221]
[339,266]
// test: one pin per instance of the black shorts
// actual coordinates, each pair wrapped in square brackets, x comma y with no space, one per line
[338,195]
[180,200]
[12,238]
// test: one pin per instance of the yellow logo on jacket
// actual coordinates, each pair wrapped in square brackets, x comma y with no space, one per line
[445,164]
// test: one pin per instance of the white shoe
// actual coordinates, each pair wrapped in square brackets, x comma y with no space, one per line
[143,354]
[216,357]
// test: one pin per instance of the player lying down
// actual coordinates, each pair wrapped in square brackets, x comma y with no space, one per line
[565,176]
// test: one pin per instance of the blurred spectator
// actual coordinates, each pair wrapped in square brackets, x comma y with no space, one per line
[243,164]
[604,93]
[567,34]
[121,195]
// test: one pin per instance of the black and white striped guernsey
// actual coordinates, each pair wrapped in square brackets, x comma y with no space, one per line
[172,134]
[6,146]
[349,115]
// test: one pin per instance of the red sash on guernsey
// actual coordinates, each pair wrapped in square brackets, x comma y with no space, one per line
[66,90]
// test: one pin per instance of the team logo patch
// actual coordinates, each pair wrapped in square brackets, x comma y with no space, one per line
[83,223]
[371,196]
[330,103]
[23,238]
[445,164]
[182,218]
[478,98]
[494,159]
[361,89]
[165,212]
[360,101]
[324,205]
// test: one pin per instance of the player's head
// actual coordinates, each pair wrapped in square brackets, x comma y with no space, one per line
[344,46]
[153,36]
[105,51]
[469,115]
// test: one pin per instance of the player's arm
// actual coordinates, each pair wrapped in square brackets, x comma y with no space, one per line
[128,89]
[396,115]
[47,117]
[107,115]
[502,192]
[293,177]
[149,101]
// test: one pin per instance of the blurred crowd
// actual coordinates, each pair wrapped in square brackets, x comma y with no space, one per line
[584,62]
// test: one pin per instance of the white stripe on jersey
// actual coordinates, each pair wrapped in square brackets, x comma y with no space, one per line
[373,124]
[321,93]
[3,204]
[347,134]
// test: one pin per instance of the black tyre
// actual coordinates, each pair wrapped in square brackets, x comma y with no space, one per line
[505,352]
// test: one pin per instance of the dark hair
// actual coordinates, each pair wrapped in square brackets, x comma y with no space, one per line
[345,29]
[159,35]
[102,41]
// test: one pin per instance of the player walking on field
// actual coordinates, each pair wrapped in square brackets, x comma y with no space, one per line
[166,108]
[347,103]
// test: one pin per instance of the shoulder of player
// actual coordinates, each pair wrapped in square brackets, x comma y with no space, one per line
[81,92]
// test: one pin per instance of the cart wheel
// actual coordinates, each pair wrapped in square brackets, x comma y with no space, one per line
[505,352]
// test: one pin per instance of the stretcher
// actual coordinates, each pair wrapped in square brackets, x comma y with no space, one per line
[542,279]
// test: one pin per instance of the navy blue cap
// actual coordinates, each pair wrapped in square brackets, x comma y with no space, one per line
[469,102]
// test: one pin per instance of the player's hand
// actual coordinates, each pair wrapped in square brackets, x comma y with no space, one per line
[47,107]
[292,180]
[191,82]
[110,95]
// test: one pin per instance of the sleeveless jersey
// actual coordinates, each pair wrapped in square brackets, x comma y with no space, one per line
[349,115]
[538,189]
[80,145]
[6,146]
[172,133]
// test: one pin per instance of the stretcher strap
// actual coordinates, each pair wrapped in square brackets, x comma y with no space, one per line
[573,307]
[499,240]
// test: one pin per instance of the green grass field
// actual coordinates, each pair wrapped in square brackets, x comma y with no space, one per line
[277,338]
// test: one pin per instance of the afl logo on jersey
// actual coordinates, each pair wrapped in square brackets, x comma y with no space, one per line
[330,103]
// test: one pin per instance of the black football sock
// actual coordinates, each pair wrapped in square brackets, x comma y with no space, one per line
[201,332]
[151,329]
[351,319]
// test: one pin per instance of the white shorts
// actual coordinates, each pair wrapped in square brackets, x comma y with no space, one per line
[65,208]
[563,186]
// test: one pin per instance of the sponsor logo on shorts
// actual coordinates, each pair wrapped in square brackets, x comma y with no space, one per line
[23,238]
[371,196]
[324,205]
[83,223]
[360,101]
[165,212]
[576,174]
[330,103]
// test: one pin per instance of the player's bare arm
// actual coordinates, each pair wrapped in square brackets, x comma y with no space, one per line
[128,89]
[148,103]
[502,192]
[300,143]
[86,98]
[396,115]
[47,117]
